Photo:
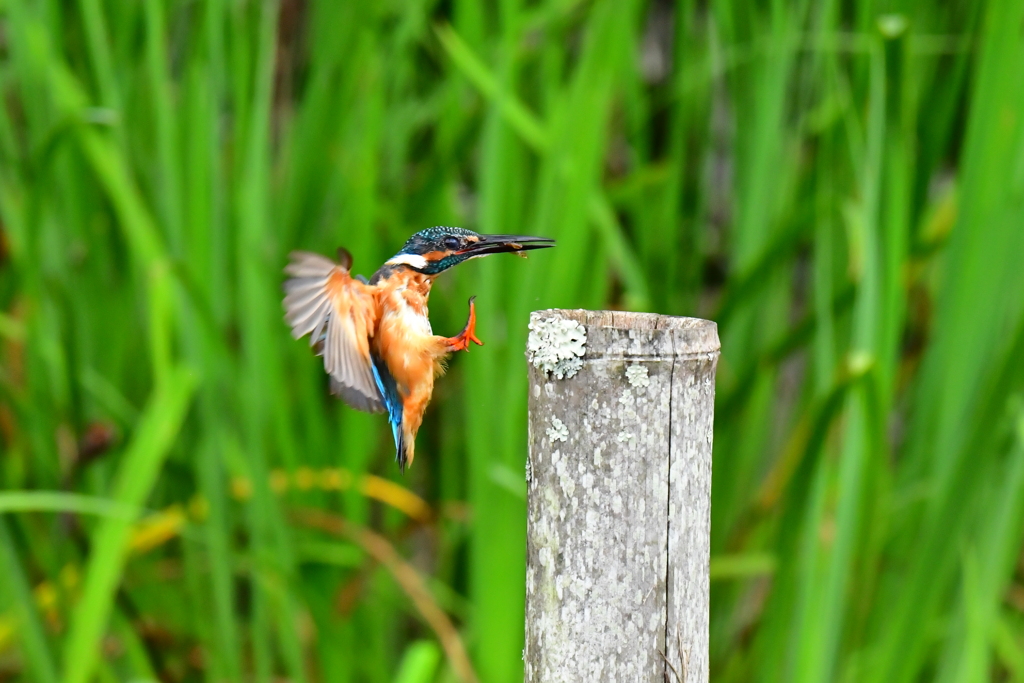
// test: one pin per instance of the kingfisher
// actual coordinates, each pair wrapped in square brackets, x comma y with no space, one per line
[374,335]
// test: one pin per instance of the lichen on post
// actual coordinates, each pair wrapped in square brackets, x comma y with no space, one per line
[619,487]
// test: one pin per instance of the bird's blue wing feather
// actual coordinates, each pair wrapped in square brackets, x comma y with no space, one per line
[393,403]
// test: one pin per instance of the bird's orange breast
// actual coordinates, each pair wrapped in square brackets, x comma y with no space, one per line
[404,339]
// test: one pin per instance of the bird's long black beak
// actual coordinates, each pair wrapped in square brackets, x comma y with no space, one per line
[499,244]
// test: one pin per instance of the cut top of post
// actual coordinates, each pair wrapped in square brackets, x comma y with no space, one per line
[620,334]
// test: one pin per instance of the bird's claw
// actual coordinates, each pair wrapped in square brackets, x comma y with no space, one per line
[468,334]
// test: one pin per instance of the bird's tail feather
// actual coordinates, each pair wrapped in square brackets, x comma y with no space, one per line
[393,403]
[399,434]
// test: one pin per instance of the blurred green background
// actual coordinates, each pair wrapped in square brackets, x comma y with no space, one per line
[840,184]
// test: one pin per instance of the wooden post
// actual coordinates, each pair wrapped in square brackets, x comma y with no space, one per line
[619,488]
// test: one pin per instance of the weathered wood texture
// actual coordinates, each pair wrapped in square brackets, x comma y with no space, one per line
[619,520]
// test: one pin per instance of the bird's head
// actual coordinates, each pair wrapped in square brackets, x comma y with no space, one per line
[434,250]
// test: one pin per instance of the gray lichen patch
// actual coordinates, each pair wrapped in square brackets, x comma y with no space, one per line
[637,376]
[557,431]
[556,346]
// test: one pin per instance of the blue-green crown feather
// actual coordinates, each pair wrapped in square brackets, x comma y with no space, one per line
[433,240]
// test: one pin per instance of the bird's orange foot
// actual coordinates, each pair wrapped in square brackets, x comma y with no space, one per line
[468,334]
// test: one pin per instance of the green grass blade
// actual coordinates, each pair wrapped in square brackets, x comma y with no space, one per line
[521,120]
[60,501]
[155,434]
[30,628]
[419,663]
[98,40]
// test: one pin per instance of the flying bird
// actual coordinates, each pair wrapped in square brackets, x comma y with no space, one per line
[375,336]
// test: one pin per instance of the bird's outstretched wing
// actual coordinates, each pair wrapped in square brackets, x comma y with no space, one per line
[339,313]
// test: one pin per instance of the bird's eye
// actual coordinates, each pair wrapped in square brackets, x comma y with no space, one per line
[452,243]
